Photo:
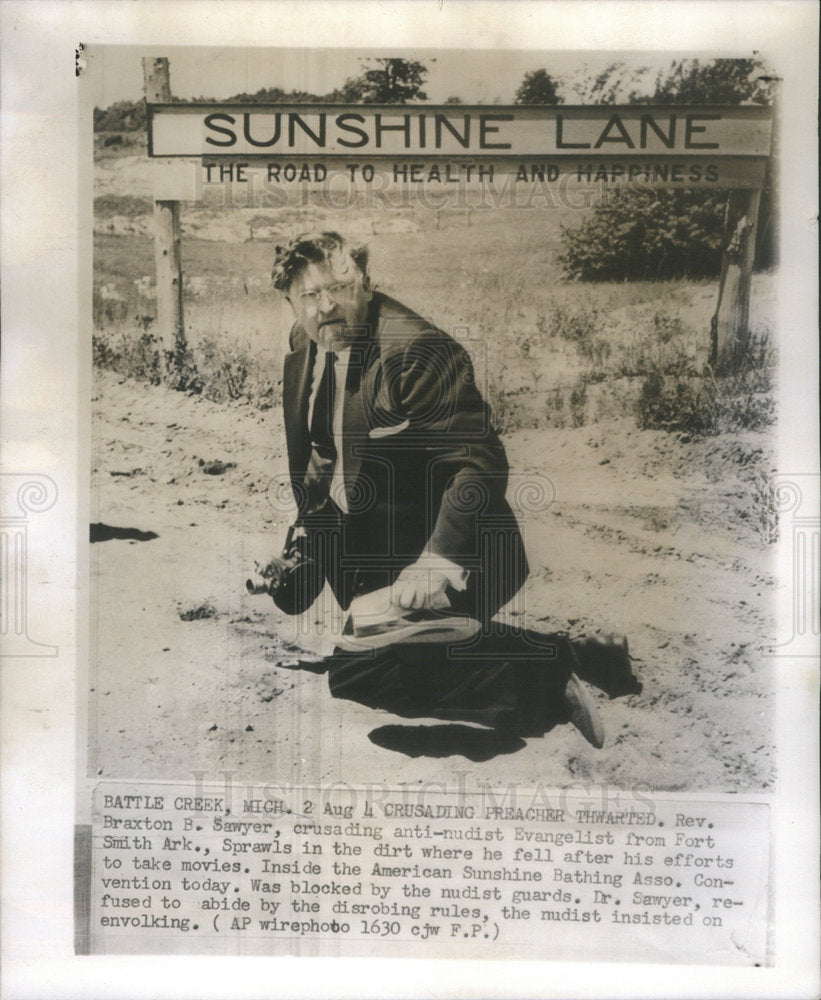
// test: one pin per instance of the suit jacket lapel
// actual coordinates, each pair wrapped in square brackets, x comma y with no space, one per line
[355,423]
[296,391]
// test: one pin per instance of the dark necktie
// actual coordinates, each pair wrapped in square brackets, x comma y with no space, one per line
[322,433]
[322,462]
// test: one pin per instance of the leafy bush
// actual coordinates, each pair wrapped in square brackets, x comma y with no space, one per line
[642,235]
[225,370]
[220,372]
[704,404]
[183,374]
[677,404]
[139,357]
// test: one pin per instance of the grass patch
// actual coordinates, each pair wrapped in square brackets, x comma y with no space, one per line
[122,204]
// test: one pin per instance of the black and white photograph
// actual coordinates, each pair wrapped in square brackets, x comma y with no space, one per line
[446,543]
[424,468]
[492,444]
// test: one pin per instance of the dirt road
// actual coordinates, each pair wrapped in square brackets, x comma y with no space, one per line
[648,534]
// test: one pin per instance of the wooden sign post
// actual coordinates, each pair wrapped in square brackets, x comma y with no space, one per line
[731,321]
[167,237]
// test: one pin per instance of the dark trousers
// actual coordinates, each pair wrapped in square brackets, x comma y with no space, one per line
[508,678]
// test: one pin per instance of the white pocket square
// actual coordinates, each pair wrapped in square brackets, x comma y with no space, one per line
[383,432]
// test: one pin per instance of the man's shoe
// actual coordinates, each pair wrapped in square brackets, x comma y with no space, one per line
[604,660]
[582,712]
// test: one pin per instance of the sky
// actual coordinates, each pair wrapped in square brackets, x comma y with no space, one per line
[476,76]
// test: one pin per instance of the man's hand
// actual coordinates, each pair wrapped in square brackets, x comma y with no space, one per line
[417,587]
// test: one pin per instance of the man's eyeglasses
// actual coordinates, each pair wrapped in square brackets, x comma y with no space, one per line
[336,293]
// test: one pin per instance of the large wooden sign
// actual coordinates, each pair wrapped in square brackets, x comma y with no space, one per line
[673,146]
[670,145]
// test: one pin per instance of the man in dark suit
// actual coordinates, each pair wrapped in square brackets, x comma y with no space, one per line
[400,481]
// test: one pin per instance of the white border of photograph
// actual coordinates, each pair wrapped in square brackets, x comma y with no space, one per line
[45,375]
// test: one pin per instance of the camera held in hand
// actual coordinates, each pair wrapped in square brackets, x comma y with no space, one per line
[293,579]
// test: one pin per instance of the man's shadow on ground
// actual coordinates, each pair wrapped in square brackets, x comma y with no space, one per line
[446,739]
[100,532]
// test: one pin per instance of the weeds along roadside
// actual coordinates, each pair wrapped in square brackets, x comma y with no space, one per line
[230,353]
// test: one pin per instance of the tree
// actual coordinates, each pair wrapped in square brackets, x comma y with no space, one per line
[720,81]
[617,83]
[349,93]
[390,81]
[123,116]
[274,95]
[537,87]
[684,81]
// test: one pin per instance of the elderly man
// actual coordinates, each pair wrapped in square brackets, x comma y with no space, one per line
[400,480]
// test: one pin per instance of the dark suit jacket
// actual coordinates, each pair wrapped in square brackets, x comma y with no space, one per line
[423,467]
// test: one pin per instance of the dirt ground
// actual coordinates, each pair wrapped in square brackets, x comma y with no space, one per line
[649,534]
